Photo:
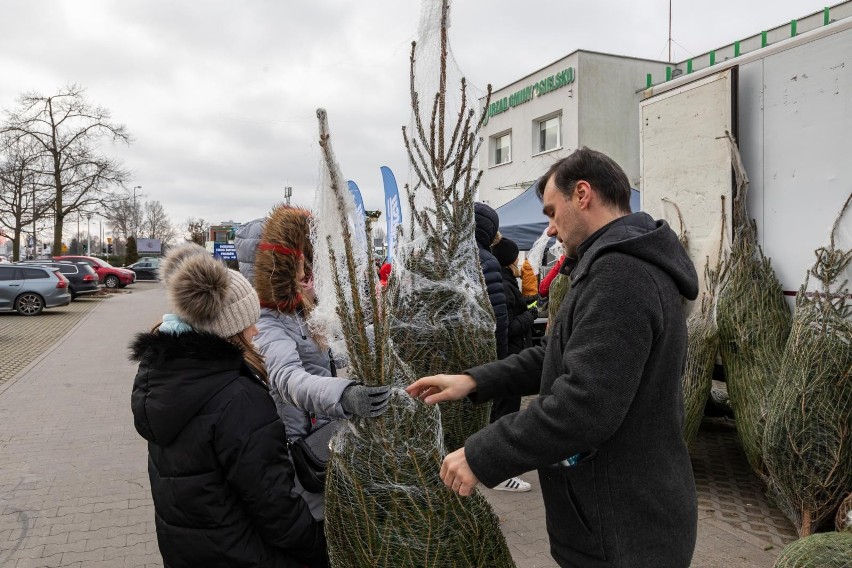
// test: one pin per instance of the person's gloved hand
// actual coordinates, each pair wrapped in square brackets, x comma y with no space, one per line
[364,401]
[534,312]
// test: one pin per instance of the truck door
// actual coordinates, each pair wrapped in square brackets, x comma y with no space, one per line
[685,159]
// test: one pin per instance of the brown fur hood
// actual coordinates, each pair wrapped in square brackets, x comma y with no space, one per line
[285,239]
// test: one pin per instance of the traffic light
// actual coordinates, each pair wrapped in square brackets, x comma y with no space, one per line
[109,248]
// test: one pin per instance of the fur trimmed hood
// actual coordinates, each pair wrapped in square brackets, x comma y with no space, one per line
[285,239]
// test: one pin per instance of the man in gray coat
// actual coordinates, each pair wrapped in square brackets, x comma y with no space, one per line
[605,433]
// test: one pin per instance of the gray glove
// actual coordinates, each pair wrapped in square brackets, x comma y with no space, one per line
[364,401]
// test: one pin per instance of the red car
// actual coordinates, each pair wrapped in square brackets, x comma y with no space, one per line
[108,275]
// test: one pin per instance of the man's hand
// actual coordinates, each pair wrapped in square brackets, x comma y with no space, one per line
[441,388]
[457,475]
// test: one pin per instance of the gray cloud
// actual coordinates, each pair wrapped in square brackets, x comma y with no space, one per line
[220,95]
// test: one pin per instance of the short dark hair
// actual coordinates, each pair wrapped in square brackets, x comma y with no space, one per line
[601,171]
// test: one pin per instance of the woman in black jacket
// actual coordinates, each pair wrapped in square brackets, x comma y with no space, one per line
[520,327]
[221,478]
[521,318]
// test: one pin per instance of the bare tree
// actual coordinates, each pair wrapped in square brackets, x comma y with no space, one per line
[196,230]
[68,128]
[122,213]
[23,200]
[156,224]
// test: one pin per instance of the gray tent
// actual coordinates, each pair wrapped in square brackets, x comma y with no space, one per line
[522,221]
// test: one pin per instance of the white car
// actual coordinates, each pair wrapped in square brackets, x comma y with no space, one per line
[3,259]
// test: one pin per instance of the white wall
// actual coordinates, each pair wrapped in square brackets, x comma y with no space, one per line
[526,167]
[609,93]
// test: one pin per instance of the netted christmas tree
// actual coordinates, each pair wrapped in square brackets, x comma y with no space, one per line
[385,503]
[808,437]
[753,321]
[439,315]
[702,345]
[821,550]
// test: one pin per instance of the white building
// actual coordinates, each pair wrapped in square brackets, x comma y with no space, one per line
[584,99]
[592,99]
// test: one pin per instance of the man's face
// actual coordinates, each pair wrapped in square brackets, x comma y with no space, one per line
[567,222]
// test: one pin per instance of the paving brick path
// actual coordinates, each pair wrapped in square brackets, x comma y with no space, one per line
[24,338]
[73,481]
[74,487]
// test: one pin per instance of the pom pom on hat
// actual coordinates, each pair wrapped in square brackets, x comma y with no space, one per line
[207,295]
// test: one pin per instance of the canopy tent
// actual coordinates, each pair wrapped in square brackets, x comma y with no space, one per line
[522,221]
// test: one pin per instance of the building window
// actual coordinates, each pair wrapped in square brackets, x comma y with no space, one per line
[502,153]
[549,134]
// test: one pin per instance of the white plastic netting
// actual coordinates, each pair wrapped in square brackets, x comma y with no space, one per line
[807,443]
[385,503]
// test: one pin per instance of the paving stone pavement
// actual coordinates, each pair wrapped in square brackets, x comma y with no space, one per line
[73,482]
[24,338]
[74,487]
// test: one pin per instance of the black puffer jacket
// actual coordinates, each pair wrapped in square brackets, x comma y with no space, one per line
[221,479]
[520,318]
[487,224]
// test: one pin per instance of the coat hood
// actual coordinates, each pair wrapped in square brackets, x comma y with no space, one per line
[487,224]
[286,237]
[639,235]
[246,241]
[178,375]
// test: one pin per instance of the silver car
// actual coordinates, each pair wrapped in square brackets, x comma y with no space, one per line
[29,289]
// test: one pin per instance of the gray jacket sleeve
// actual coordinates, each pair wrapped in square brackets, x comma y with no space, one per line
[287,375]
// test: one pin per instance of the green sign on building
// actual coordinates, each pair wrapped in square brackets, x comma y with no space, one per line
[537,89]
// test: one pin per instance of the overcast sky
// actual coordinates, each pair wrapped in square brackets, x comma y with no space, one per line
[220,95]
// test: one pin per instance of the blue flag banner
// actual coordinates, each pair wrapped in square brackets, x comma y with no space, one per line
[360,227]
[393,208]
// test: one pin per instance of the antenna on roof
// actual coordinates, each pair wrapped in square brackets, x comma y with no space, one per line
[670,31]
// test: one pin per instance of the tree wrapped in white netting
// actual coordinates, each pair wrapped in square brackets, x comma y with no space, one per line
[808,438]
[753,321]
[702,345]
[821,550]
[439,315]
[385,504]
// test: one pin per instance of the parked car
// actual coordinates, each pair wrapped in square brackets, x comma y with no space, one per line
[82,278]
[108,275]
[30,289]
[3,259]
[146,268]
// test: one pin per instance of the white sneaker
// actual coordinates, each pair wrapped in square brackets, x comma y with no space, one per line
[514,484]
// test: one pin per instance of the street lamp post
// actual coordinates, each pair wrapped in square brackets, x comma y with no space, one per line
[134,209]
[89,234]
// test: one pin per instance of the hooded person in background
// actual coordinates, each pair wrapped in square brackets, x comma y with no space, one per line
[606,431]
[221,479]
[302,374]
[487,226]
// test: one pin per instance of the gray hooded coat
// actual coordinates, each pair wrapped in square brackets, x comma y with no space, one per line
[301,384]
[610,400]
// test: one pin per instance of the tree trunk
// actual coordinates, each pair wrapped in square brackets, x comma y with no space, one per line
[16,245]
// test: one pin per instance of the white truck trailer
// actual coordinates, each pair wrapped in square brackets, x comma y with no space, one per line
[789,107]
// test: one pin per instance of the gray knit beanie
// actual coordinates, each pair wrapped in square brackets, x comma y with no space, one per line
[208,296]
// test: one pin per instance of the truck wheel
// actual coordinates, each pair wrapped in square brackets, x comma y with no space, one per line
[29,304]
[111,281]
